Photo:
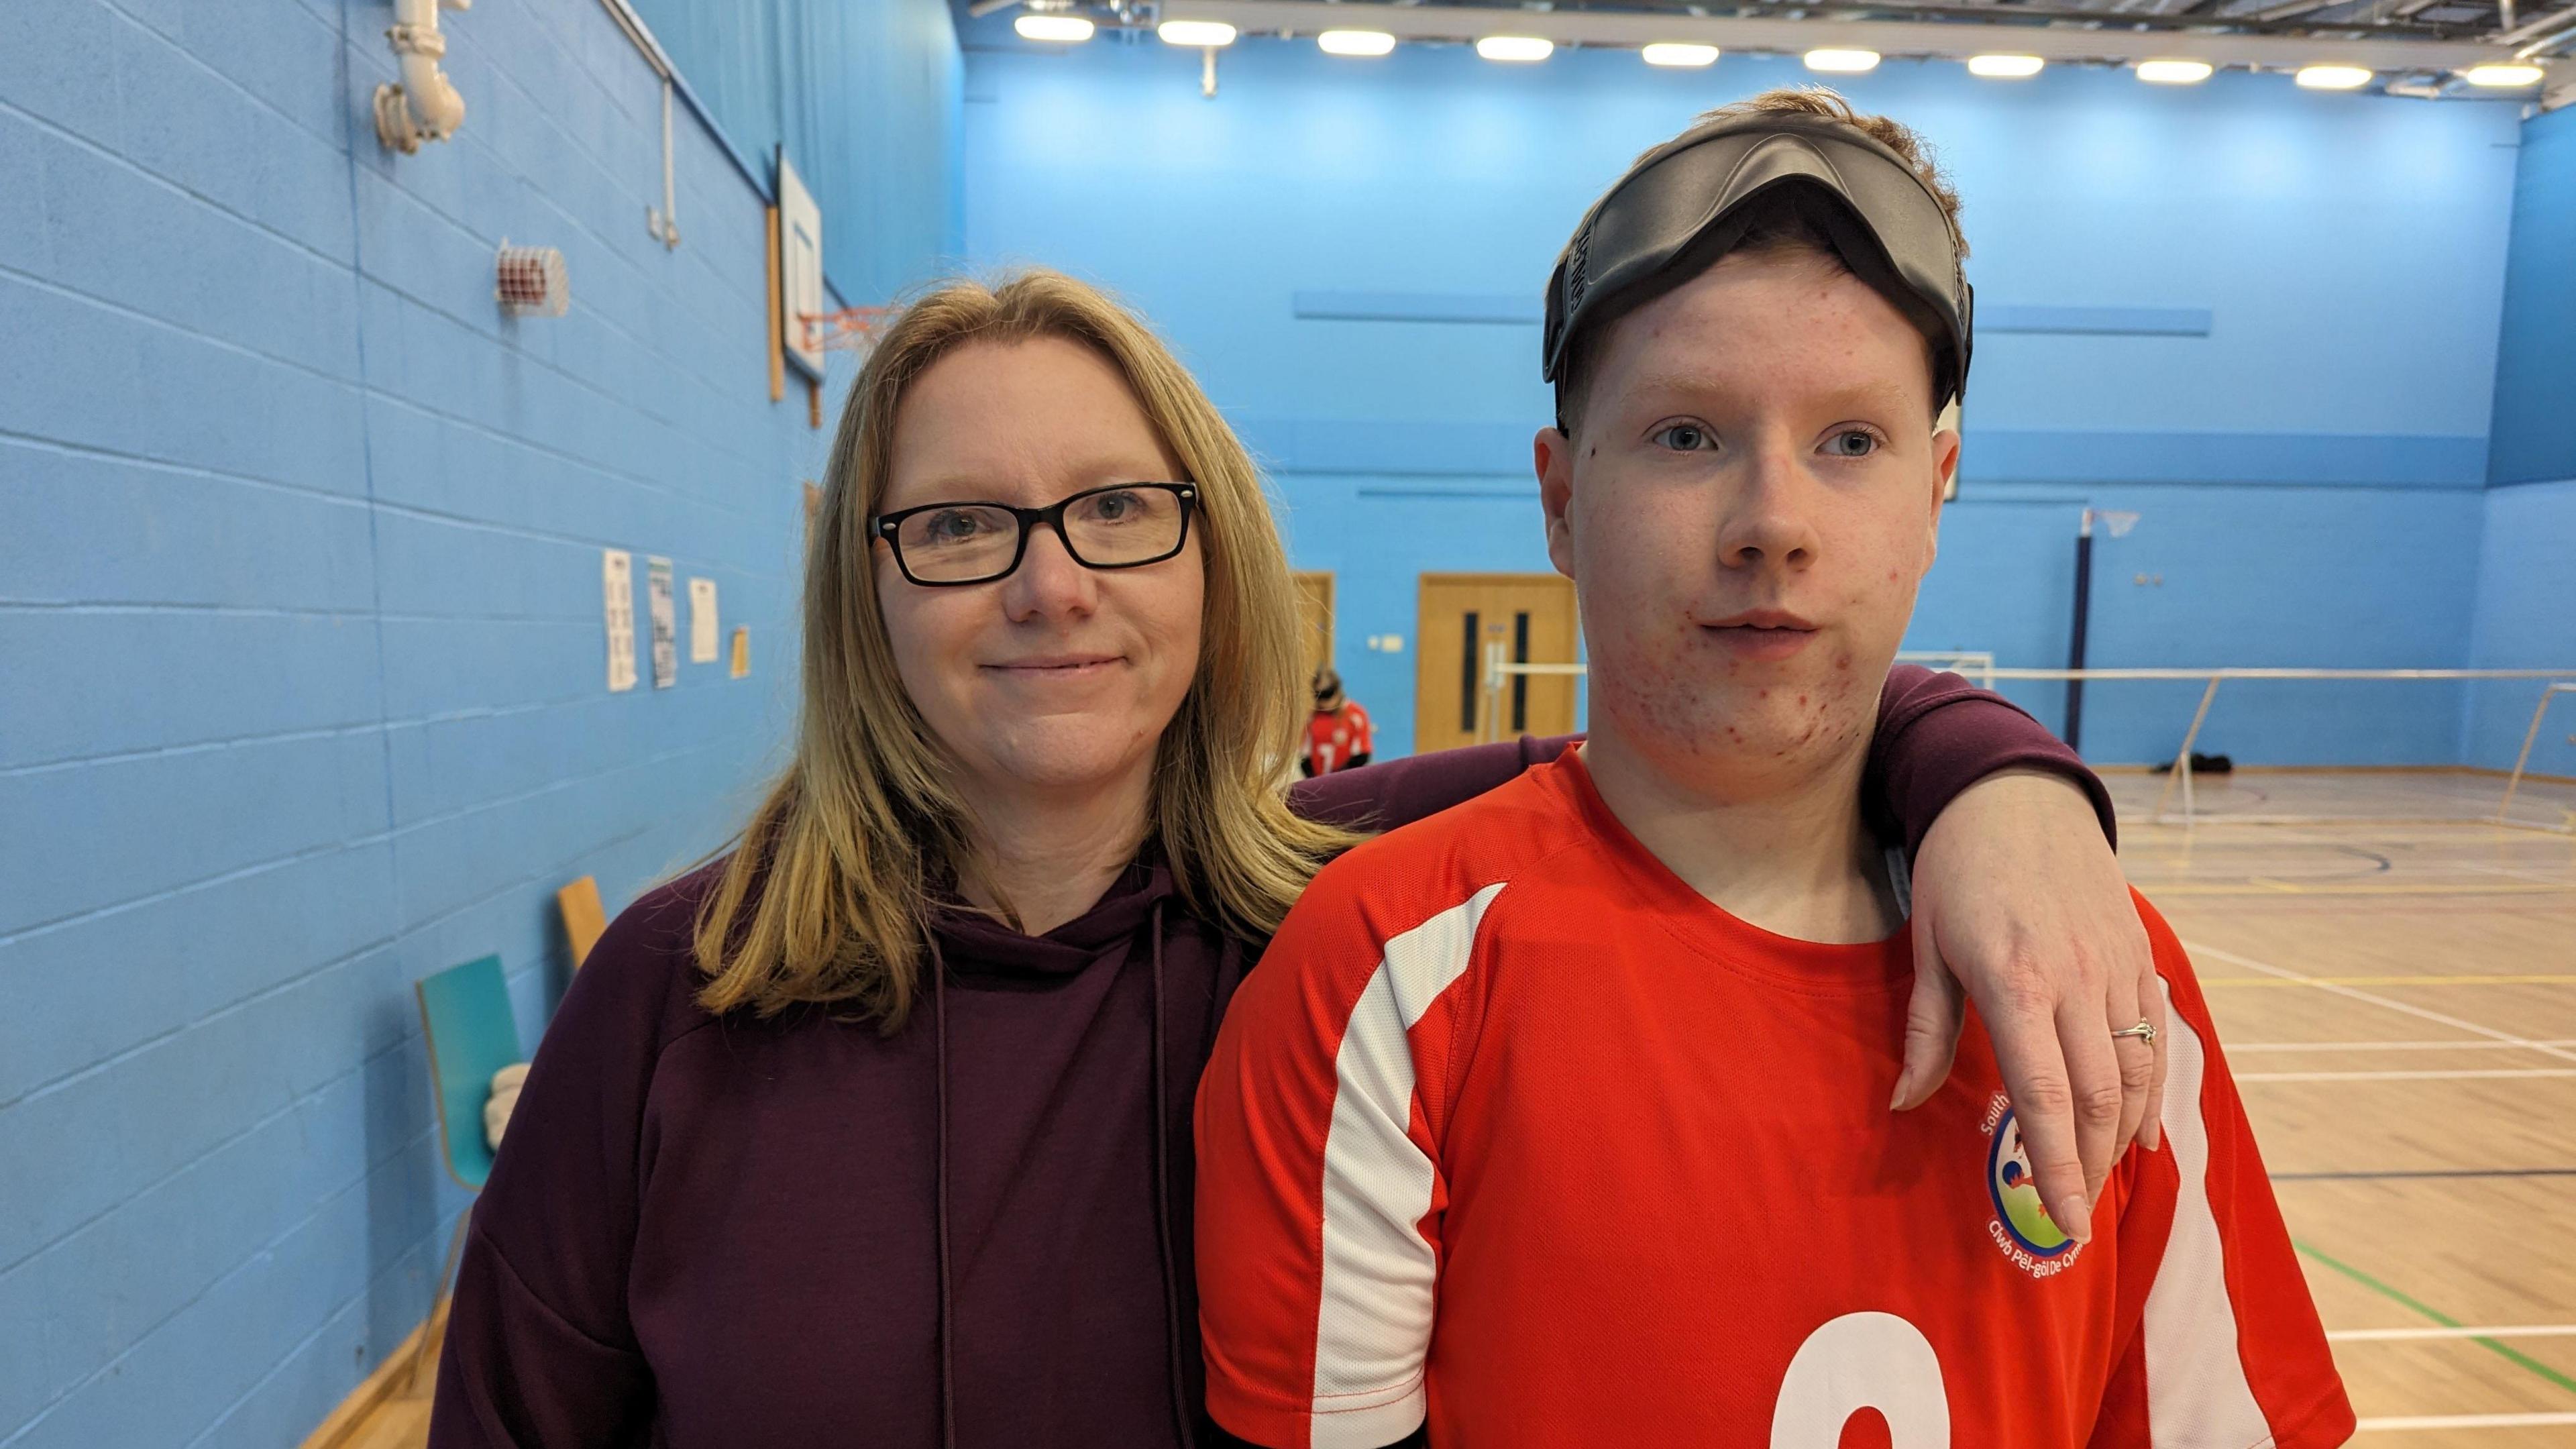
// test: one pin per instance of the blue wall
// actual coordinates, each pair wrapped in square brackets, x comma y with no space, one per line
[2535,395]
[2526,609]
[300,622]
[2308,471]
[865,98]
[2526,618]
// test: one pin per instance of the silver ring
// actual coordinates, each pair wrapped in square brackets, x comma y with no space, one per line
[2144,1031]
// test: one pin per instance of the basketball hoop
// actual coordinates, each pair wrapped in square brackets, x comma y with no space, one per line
[849,329]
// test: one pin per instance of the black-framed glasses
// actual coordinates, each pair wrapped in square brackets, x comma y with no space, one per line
[1121,526]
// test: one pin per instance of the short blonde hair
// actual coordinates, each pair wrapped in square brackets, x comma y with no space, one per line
[829,891]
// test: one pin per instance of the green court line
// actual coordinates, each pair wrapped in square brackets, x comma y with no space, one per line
[2509,1351]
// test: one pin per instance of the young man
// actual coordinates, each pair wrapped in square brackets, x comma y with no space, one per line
[1560,1118]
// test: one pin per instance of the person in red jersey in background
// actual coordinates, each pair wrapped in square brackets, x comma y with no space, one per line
[1337,735]
[1560,1117]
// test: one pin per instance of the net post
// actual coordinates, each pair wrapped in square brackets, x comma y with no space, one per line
[2530,737]
[2182,757]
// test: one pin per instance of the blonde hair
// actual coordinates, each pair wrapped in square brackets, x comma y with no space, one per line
[831,885]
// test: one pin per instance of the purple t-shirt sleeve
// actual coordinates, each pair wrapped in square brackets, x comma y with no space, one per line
[1937,735]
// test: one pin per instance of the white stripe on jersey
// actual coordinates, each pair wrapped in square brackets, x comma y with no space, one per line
[2196,1390]
[1373,1326]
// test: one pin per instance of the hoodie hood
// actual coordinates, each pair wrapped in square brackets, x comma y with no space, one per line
[980,950]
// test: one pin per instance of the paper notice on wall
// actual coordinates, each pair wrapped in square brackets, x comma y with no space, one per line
[666,628]
[702,621]
[741,651]
[617,584]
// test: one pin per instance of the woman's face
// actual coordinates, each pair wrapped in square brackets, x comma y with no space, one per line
[1057,679]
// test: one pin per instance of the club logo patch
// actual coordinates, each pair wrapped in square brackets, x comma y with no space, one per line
[2021,1227]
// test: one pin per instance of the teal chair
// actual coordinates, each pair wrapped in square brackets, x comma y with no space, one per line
[472,1033]
[465,1013]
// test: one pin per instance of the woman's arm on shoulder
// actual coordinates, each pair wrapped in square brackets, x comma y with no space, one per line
[1390,793]
[2020,906]
[539,1351]
[1938,734]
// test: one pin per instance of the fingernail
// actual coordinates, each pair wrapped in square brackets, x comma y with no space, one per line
[2078,1222]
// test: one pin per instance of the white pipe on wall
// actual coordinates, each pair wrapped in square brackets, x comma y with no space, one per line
[426,106]
[664,225]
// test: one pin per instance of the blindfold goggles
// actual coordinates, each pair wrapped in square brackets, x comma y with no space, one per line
[1689,202]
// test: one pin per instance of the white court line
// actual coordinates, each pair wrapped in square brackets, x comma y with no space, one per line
[2509,871]
[2382,1335]
[2466,1421]
[2501,1072]
[2453,1044]
[2490,1033]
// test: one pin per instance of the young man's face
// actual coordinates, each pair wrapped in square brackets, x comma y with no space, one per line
[1751,503]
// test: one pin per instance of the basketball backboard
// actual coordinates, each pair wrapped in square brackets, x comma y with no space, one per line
[800,271]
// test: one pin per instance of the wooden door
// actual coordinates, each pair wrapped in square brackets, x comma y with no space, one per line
[1462,615]
[1315,611]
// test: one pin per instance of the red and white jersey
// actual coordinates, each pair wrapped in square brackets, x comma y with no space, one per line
[1513,1129]
[1335,736]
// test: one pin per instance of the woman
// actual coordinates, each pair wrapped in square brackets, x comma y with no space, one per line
[876,1130]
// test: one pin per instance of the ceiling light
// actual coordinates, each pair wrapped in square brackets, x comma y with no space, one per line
[1515,47]
[1062,29]
[2504,77]
[2334,77]
[2173,72]
[1673,52]
[1355,42]
[2005,67]
[1842,62]
[1195,32]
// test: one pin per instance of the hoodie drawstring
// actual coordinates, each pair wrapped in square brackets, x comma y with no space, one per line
[1181,1415]
[1182,1418]
[947,1300]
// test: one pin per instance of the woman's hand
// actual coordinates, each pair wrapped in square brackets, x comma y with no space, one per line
[2017,897]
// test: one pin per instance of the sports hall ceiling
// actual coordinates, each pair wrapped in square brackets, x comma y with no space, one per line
[2497,22]
[2410,47]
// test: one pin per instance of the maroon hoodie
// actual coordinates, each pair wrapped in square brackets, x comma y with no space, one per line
[723,1233]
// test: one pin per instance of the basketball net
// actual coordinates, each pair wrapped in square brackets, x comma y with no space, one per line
[849,329]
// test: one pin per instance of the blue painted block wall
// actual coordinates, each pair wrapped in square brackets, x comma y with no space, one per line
[300,624]
[2526,608]
[865,97]
[2308,472]
[2526,618]
[2535,419]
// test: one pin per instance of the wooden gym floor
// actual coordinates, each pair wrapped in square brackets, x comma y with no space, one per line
[2397,999]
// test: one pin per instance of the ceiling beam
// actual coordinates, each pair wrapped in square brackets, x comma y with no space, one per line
[2294,8]
[1888,37]
[2541,26]
[2240,23]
